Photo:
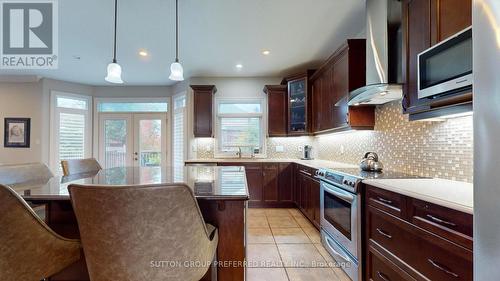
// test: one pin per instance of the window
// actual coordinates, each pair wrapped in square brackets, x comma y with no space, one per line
[240,126]
[70,128]
[179,137]
[133,107]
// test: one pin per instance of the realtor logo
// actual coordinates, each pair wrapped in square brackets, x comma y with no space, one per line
[28,34]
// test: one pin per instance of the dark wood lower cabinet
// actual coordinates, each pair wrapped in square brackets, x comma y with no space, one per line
[270,187]
[309,194]
[408,239]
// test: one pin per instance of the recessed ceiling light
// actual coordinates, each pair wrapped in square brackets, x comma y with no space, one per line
[266,52]
[143,53]
[239,66]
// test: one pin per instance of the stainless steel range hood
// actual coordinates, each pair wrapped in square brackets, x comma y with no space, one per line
[383,54]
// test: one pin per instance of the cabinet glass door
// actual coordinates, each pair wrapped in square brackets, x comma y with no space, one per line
[297,102]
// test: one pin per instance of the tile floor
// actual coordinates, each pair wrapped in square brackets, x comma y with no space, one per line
[284,246]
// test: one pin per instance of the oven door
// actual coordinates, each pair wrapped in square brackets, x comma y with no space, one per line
[339,216]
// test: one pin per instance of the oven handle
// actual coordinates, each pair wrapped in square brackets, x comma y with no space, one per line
[344,195]
[329,242]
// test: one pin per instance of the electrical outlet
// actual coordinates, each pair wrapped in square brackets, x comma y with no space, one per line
[301,148]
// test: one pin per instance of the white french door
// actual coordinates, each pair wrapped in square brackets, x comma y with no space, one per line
[132,139]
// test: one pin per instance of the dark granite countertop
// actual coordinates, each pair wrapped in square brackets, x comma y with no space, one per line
[207,182]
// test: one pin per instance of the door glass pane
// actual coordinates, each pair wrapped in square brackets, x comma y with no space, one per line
[71,136]
[298,106]
[150,143]
[115,143]
[338,213]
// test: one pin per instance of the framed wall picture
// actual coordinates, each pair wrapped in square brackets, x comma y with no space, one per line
[17,132]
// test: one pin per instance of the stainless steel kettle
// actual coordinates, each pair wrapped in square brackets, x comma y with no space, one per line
[370,163]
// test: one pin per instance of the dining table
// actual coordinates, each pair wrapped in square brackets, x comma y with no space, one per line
[221,193]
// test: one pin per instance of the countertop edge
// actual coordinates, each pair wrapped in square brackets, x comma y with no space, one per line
[421,196]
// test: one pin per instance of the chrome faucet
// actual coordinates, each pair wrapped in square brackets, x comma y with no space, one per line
[239,152]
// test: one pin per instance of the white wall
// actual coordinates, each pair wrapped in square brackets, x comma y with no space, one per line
[23,100]
[132,91]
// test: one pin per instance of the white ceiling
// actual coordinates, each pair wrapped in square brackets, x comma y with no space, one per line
[215,35]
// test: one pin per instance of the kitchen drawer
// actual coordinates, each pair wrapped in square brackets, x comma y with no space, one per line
[448,223]
[390,202]
[308,171]
[382,269]
[426,253]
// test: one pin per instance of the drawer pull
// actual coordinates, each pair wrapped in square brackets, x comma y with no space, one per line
[306,173]
[383,276]
[383,233]
[438,220]
[385,201]
[442,268]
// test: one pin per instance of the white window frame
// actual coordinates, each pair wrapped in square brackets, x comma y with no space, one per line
[263,124]
[96,127]
[55,123]
[184,111]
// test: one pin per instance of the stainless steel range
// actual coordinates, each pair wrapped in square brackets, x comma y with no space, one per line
[341,216]
[341,219]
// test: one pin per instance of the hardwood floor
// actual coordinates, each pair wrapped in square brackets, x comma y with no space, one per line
[284,246]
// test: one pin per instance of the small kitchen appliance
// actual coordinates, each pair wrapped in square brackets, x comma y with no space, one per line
[307,153]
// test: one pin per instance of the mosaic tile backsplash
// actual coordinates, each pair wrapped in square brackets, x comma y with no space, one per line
[431,149]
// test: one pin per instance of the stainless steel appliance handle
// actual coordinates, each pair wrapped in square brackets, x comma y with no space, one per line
[438,220]
[344,195]
[442,268]
[332,247]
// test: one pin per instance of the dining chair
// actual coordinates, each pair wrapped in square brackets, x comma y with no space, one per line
[24,173]
[149,233]
[78,166]
[29,249]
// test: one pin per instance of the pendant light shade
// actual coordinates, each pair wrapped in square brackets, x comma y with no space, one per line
[114,69]
[176,70]
[114,73]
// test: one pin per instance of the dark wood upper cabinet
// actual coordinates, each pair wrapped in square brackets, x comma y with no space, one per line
[426,23]
[299,103]
[277,103]
[203,108]
[342,73]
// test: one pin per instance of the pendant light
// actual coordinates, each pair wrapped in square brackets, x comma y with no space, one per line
[176,71]
[114,69]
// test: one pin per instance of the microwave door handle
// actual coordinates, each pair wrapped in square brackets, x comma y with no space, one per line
[340,194]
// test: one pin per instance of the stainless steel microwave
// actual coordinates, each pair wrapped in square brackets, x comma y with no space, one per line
[446,68]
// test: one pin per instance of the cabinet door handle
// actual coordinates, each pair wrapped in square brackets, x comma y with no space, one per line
[438,220]
[384,200]
[383,233]
[442,268]
[383,276]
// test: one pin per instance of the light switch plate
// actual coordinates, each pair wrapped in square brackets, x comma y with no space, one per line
[279,148]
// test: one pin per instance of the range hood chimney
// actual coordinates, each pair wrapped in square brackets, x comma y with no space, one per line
[383,54]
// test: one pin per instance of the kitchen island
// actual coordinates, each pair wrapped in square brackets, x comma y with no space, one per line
[221,192]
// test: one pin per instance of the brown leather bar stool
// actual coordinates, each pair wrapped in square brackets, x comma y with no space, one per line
[29,249]
[154,233]
[78,166]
